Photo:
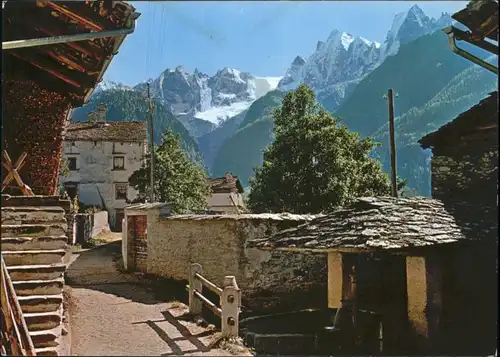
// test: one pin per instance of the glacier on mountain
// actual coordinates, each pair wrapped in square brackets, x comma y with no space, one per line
[341,61]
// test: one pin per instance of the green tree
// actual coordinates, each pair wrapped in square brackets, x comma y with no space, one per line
[177,179]
[314,164]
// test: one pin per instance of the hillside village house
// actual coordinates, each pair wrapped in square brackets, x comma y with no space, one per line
[101,157]
[41,85]
[464,169]
[227,195]
[394,276]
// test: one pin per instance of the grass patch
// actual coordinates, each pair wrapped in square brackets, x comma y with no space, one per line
[76,248]
[94,242]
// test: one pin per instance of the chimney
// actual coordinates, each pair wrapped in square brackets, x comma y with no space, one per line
[92,117]
[231,181]
[101,111]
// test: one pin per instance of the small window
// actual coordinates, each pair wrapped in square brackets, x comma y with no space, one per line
[72,164]
[118,163]
[121,191]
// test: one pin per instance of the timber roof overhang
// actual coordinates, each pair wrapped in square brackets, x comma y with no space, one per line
[481,19]
[372,224]
[72,68]
[480,117]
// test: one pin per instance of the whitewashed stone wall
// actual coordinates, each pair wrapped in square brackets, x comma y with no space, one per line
[95,175]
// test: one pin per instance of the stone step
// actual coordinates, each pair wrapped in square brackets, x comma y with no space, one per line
[39,257]
[38,287]
[33,230]
[35,201]
[32,215]
[34,243]
[46,351]
[36,272]
[46,338]
[40,303]
[38,321]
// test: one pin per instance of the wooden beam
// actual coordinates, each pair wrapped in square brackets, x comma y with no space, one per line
[80,19]
[13,173]
[66,60]
[43,25]
[45,67]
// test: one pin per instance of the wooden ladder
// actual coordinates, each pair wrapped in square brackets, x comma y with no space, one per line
[16,340]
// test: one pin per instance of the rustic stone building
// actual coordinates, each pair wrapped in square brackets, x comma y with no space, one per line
[101,157]
[161,244]
[465,178]
[464,161]
[395,264]
[227,194]
[51,64]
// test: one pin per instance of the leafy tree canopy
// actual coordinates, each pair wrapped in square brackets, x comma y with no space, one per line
[314,164]
[177,179]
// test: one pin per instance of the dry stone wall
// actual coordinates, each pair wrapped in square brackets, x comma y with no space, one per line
[269,280]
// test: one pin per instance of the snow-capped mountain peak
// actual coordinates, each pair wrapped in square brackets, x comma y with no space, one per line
[408,26]
[110,85]
[346,40]
[211,98]
[342,57]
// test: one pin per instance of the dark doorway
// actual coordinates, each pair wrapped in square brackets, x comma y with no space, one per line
[382,302]
[119,215]
[71,189]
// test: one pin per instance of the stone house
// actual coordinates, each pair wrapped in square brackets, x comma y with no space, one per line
[41,85]
[101,157]
[394,277]
[464,169]
[464,164]
[227,195]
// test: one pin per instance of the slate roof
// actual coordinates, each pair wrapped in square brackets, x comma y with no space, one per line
[132,131]
[223,185]
[244,216]
[483,115]
[373,223]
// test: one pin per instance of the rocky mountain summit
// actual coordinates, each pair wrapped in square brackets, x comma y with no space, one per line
[338,64]
[210,98]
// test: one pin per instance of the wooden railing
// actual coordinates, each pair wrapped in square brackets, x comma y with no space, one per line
[16,340]
[230,299]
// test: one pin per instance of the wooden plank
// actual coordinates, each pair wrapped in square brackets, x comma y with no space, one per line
[211,286]
[25,189]
[44,67]
[80,19]
[208,303]
[16,328]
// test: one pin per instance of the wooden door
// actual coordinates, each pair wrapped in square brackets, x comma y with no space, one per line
[140,242]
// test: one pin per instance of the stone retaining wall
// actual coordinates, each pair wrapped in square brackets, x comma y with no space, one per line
[220,244]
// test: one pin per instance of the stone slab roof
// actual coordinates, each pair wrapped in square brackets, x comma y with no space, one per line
[481,116]
[246,216]
[225,184]
[132,131]
[147,206]
[373,223]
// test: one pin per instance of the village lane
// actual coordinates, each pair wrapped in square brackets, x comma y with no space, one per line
[114,313]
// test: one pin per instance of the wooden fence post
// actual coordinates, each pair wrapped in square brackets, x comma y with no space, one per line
[195,304]
[230,305]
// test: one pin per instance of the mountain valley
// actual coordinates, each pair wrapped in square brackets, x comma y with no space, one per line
[225,120]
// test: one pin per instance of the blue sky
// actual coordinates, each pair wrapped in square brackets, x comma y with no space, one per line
[260,37]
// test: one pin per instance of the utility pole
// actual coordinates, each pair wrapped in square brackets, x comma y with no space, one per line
[152,176]
[392,143]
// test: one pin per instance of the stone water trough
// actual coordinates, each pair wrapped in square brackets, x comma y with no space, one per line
[289,333]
